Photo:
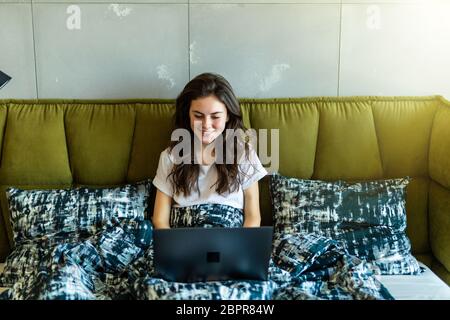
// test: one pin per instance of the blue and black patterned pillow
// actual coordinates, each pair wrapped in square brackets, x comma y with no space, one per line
[367,218]
[47,213]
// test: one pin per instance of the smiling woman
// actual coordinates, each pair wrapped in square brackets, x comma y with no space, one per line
[207,110]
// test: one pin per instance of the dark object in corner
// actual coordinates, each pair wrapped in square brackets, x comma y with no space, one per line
[4,79]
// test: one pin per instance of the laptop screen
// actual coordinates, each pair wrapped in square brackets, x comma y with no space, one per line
[212,254]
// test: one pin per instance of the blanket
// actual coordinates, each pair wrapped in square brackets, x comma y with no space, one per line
[117,263]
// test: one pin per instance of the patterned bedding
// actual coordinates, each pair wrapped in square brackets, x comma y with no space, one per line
[116,262]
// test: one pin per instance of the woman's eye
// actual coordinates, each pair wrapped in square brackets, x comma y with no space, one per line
[197,116]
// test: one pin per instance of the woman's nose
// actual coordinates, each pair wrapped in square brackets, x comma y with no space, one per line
[206,123]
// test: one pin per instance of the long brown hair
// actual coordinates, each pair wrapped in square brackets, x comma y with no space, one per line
[185,175]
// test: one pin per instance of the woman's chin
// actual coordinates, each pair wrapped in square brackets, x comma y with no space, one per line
[208,138]
[207,141]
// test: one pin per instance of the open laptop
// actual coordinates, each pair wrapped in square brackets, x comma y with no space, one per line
[212,254]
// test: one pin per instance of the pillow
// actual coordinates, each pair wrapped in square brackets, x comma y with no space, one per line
[367,218]
[43,213]
[99,206]
[35,213]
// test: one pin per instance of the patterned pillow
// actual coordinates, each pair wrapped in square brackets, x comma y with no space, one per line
[367,218]
[44,213]
[99,206]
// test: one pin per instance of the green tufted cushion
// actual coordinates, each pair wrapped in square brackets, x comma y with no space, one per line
[297,123]
[347,146]
[403,129]
[417,217]
[3,114]
[154,124]
[99,139]
[34,146]
[439,216]
[440,147]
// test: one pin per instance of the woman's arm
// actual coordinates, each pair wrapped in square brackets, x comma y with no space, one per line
[161,211]
[252,215]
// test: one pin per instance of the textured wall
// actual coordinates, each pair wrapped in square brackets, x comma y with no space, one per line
[149,48]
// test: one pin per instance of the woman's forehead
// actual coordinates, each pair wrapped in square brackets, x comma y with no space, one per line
[207,105]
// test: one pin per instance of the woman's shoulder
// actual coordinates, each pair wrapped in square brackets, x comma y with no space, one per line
[167,155]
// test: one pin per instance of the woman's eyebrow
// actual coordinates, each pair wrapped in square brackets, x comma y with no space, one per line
[203,113]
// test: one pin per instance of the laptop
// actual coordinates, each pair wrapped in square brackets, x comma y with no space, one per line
[212,254]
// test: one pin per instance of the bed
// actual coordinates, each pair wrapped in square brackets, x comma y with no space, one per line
[358,139]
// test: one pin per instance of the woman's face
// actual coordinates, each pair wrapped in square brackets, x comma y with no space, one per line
[208,117]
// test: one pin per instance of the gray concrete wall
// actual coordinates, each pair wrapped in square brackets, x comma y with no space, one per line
[266,48]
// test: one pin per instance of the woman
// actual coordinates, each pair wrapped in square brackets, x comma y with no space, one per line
[203,184]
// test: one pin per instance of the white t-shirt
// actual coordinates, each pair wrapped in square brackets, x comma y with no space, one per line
[207,178]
